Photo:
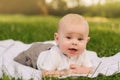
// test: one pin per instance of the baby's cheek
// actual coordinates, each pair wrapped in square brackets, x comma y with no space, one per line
[81,50]
[83,46]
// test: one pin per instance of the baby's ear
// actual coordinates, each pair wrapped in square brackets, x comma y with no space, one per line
[88,39]
[56,37]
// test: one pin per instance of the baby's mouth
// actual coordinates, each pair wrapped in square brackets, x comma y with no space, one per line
[72,49]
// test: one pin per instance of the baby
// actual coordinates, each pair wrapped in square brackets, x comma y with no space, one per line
[69,55]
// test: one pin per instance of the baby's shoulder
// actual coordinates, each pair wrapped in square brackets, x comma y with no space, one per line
[53,51]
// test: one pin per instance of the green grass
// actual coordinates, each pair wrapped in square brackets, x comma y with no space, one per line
[105,35]
[27,28]
[105,38]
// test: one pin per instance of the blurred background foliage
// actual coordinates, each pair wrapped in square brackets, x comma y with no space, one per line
[104,8]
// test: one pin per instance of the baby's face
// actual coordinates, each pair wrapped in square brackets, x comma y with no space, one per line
[72,39]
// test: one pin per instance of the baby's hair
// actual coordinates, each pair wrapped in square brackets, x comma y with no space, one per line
[72,18]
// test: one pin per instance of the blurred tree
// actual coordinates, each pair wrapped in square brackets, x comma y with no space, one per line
[58,4]
[43,7]
[57,7]
[79,3]
[112,9]
[73,3]
[110,1]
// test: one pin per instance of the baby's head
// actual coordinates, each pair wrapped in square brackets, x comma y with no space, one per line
[72,34]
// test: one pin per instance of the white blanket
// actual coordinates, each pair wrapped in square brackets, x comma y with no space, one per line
[10,49]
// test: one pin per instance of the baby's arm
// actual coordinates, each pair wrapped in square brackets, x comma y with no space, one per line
[76,69]
[54,73]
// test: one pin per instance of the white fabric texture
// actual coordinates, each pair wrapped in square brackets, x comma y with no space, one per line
[10,49]
[53,59]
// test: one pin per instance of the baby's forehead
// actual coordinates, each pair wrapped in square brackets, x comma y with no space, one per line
[72,19]
[73,33]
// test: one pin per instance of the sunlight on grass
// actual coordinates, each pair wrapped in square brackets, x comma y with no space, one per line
[97,19]
[24,18]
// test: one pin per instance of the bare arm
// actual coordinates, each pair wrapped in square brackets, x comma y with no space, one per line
[74,69]
[54,73]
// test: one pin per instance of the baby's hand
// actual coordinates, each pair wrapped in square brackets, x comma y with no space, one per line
[76,69]
[74,66]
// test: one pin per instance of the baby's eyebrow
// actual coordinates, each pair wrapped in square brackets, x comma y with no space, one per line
[71,33]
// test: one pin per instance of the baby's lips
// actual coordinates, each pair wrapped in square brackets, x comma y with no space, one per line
[73,49]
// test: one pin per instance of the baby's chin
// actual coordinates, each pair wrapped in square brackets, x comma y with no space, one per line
[71,55]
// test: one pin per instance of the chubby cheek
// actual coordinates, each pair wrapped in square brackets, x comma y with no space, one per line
[82,48]
[63,46]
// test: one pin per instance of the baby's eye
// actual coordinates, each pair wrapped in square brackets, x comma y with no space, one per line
[80,39]
[68,37]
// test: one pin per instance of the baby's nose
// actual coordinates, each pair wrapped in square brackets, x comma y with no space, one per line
[74,42]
